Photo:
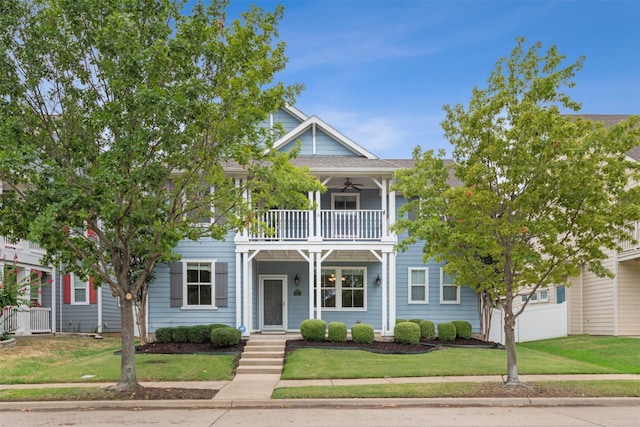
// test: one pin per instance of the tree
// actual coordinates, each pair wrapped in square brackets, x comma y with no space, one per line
[540,193]
[118,118]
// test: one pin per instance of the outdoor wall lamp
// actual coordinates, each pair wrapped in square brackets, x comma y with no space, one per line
[378,281]
[296,280]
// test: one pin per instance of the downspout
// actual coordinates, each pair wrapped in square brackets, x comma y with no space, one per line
[99,291]
[615,293]
[53,301]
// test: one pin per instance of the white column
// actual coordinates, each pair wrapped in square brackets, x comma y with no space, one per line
[392,207]
[319,287]
[383,202]
[311,262]
[99,292]
[245,293]
[54,307]
[385,284]
[392,290]
[239,274]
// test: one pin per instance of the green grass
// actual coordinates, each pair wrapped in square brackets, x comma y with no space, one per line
[618,353]
[422,390]
[49,360]
[63,393]
[321,363]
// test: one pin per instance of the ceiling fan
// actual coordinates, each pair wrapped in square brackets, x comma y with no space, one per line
[349,184]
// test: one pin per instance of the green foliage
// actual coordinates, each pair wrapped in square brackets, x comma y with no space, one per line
[142,90]
[180,334]
[14,291]
[416,321]
[164,335]
[463,329]
[362,333]
[218,326]
[446,331]
[427,329]
[401,320]
[337,332]
[407,333]
[313,329]
[225,337]
[199,334]
[516,218]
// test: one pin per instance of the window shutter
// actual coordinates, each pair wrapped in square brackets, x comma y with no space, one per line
[175,284]
[222,284]
[66,289]
[93,293]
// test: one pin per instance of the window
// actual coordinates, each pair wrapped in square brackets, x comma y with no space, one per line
[79,291]
[449,292]
[342,288]
[418,286]
[199,284]
[543,296]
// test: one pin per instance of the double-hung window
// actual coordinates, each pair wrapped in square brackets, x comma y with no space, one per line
[199,284]
[449,292]
[79,290]
[343,288]
[419,285]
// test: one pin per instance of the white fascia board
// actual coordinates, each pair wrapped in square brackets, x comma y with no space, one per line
[326,128]
[295,112]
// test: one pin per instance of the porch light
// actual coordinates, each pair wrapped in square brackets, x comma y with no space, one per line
[296,280]
[378,281]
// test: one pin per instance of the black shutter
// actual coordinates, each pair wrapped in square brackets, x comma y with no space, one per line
[175,284]
[222,284]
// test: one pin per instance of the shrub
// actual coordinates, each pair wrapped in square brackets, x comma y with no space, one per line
[199,334]
[416,321]
[218,326]
[313,329]
[446,331]
[463,329]
[401,320]
[225,337]
[181,334]
[407,333]
[337,332]
[164,335]
[362,333]
[427,329]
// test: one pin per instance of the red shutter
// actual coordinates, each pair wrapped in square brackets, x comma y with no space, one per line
[66,288]
[91,234]
[93,294]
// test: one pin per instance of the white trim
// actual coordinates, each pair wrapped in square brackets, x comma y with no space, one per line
[261,279]
[72,277]
[410,285]
[338,288]
[185,305]
[312,121]
[442,301]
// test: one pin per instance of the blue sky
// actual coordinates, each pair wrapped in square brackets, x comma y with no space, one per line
[380,71]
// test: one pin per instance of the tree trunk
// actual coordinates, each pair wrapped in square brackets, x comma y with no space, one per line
[128,380]
[141,314]
[510,345]
[485,311]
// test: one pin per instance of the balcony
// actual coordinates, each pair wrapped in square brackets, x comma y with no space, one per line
[26,252]
[337,225]
[629,249]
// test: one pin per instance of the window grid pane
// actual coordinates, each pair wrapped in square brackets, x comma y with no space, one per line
[199,285]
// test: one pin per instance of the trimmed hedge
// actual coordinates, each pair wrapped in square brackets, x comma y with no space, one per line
[463,329]
[313,329]
[199,334]
[337,332]
[164,335]
[362,333]
[225,337]
[407,333]
[427,329]
[401,320]
[446,331]
[416,321]
[181,334]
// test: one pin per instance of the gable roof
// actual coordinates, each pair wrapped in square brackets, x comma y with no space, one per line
[610,120]
[329,130]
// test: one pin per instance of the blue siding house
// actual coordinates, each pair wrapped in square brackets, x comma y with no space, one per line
[337,262]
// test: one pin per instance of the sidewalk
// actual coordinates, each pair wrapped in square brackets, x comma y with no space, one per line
[254,391]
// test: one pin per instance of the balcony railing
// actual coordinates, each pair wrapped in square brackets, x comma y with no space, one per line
[21,245]
[288,225]
[628,245]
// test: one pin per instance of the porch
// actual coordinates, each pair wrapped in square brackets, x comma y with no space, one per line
[281,225]
[25,251]
[630,250]
[25,320]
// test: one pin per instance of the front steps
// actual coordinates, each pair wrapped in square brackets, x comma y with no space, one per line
[262,355]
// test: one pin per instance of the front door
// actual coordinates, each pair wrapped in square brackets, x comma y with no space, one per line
[273,302]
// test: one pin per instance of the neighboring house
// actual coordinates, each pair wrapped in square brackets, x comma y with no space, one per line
[603,306]
[337,262]
[59,303]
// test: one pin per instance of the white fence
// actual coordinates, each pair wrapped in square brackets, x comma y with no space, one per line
[536,323]
[26,320]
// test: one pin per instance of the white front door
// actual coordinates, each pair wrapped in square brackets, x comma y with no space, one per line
[273,293]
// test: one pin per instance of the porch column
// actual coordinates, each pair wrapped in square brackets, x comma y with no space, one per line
[392,290]
[392,208]
[383,202]
[318,288]
[246,320]
[53,300]
[239,274]
[385,294]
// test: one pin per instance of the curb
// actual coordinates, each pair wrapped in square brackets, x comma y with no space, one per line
[321,403]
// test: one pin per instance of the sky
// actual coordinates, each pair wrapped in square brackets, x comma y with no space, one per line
[380,71]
